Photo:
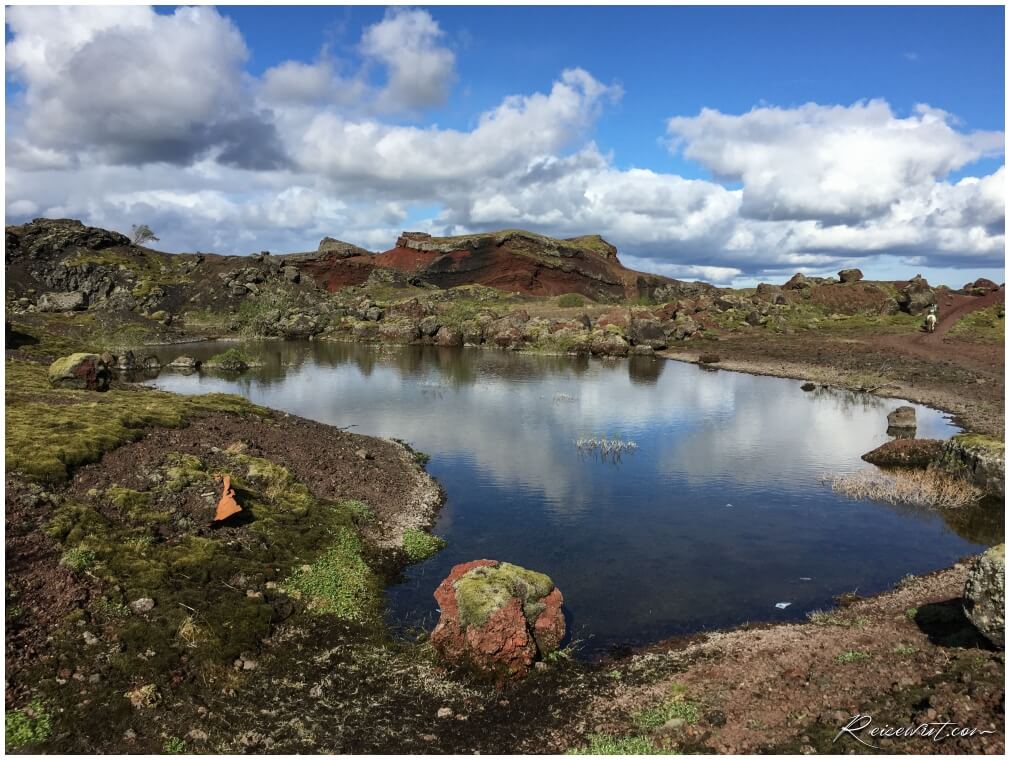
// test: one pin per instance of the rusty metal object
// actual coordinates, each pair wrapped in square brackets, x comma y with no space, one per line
[227,506]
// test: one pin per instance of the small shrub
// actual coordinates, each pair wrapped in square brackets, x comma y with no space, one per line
[676,706]
[926,488]
[419,545]
[569,300]
[421,458]
[905,650]
[605,744]
[851,656]
[911,613]
[31,725]
[78,559]
[339,581]
[174,746]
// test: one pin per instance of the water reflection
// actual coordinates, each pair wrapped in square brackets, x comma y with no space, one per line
[714,518]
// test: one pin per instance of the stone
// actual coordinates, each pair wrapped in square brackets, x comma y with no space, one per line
[798,281]
[916,296]
[291,274]
[399,331]
[850,275]
[709,359]
[985,594]
[80,371]
[444,712]
[497,618]
[73,301]
[608,344]
[647,332]
[807,387]
[905,452]
[373,314]
[902,418]
[981,286]
[447,336]
[142,605]
[90,639]
[429,326]
[979,459]
[184,362]
[363,455]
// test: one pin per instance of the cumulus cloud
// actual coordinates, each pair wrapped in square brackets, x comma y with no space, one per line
[125,116]
[135,87]
[840,164]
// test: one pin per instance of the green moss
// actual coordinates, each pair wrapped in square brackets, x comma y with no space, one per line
[235,358]
[50,431]
[174,746]
[485,589]
[419,545]
[339,581]
[977,441]
[32,725]
[569,300]
[605,744]
[982,326]
[78,559]
[677,706]
[851,656]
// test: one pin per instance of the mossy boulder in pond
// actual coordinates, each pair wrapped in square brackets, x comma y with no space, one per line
[985,594]
[80,371]
[905,452]
[497,618]
[978,458]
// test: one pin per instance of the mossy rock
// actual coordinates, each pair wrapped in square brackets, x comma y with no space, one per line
[485,589]
[81,371]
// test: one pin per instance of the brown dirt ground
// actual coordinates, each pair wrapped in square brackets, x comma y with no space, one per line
[958,376]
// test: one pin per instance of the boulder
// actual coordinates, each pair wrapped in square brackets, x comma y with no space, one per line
[430,326]
[497,618]
[769,293]
[447,336]
[977,458]
[291,274]
[399,331]
[808,387]
[647,332]
[72,301]
[902,418]
[184,362]
[981,286]
[905,452]
[608,344]
[798,281]
[985,594]
[916,296]
[850,275]
[80,371]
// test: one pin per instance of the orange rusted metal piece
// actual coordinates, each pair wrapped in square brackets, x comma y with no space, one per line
[227,506]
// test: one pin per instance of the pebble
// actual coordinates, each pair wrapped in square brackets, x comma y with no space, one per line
[90,639]
[444,712]
[197,735]
[94,678]
[362,454]
[142,605]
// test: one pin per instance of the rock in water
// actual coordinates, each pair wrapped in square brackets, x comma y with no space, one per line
[80,371]
[902,418]
[497,618]
[984,594]
[980,459]
[905,452]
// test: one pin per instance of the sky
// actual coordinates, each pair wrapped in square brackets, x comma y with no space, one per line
[734,144]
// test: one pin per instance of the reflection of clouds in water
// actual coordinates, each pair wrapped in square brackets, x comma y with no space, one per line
[497,410]
[778,432]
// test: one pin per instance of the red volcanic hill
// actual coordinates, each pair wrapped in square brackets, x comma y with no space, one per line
[510,260]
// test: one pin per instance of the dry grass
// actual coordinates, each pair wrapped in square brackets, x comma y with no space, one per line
[929,488]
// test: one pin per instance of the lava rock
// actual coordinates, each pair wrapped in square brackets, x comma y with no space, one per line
[497,618]
[905,452]
[916,296]
[80,371]
[850,275]
[72,301]
[985,594]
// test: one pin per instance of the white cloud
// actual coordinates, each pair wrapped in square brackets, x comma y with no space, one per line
[184,139]
[828,163]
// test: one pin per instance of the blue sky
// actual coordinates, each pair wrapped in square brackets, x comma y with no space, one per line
[645,67]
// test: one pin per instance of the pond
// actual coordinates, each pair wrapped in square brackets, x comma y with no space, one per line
[717,516]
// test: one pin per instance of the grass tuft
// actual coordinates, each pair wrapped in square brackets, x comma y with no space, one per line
[925,488]
[419,545]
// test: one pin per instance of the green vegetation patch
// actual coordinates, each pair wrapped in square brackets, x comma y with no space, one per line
[235,358]
[28,726]
[676,707]
[569,300]
[977,441]
[50,431]
[851,656]
[606,744]
[419,545]
[484,590]
[983,326]
[339,581]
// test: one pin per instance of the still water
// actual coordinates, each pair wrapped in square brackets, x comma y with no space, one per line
[717,516]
